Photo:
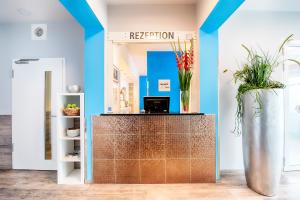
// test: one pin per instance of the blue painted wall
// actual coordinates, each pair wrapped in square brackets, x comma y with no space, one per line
[93,88]
[209,53]
[161,65]
[143,90]
[93,68]
[209,42]
[209,72]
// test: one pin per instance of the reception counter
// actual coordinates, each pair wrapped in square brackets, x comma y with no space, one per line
[154,148]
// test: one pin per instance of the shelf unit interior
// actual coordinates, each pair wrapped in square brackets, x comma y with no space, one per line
[70,149]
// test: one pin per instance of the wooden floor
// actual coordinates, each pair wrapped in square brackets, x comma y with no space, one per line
[15,185]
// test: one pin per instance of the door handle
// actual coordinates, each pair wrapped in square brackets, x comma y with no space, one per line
[53,116]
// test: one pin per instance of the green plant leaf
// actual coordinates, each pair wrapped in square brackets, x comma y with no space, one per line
[295,61]
[247,49]
[288,39]
[256,74]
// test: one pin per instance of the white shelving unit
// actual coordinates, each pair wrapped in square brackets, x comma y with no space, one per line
[70,170]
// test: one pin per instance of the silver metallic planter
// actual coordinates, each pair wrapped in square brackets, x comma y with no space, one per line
[263,136]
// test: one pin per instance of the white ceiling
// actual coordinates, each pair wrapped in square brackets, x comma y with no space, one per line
[15,11]
[271,5]
[126,2]
[12,11]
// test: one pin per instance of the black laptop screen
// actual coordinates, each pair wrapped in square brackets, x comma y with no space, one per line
[156,104]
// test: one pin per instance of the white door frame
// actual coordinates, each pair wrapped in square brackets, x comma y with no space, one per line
[136,37]
[286,167]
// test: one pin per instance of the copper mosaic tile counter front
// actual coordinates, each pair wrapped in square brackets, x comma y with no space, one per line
[154,149]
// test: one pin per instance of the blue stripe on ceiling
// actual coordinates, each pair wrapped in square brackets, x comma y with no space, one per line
[221,12]
[82,12]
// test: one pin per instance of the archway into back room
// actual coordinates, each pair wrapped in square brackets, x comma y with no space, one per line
[138,62]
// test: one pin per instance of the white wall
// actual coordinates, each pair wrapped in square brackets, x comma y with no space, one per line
[152,18]
[64,40]
[123,60]
[5,72]
[255,29]
[99,7]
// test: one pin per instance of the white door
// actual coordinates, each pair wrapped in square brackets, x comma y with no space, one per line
[35,85]
[292,109]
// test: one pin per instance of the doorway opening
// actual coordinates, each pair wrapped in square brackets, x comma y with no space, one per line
[138,70]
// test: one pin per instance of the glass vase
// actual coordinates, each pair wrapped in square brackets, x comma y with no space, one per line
[185,101]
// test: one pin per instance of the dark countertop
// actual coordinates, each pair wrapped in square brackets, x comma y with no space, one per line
[140,114]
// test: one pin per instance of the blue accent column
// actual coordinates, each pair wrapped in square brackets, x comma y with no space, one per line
[143,90]
[93,68]
[93,88]
[209,53]
[209,47]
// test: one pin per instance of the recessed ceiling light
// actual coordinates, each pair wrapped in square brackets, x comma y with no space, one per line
[24,12]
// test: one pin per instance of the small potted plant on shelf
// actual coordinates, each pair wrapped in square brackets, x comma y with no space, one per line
[71,110]
[260,118]
[185,61]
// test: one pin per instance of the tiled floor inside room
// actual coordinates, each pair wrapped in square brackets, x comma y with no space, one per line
[41,185]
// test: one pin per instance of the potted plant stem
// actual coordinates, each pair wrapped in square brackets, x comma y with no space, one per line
[260,119]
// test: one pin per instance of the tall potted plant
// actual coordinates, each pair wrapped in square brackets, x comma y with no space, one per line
[261,118]
[185,61]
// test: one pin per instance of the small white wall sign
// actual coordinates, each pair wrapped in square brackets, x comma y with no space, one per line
[39,31]
[164,85]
